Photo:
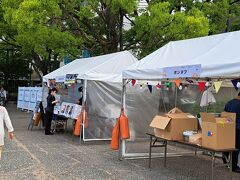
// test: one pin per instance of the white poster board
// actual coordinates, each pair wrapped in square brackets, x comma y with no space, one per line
[39,93]
[33,98]
[70,110]
[28,97]
[20,102]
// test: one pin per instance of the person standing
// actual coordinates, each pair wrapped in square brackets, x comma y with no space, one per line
[4,118]
[3,95]
[233,106]
[51,102]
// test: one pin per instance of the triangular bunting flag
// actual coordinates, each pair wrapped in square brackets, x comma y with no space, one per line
[158,86]
[201,85]
[150,88]
[234,82]
[217,85]
[133,82]
[177,82]
[168,84]
[189,81]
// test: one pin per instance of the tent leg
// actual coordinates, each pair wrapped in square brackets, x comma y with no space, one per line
[122,143]
[83,106]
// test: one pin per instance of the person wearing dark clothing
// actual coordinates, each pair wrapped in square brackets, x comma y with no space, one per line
[233,106]
[80,90]
[51,102]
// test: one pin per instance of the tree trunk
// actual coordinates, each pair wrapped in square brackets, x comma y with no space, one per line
[120,29]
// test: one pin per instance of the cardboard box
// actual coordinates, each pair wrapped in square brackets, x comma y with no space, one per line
[171,126]
[196,139]
[218,133]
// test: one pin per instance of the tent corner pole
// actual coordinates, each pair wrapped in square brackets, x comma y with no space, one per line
[83,106]
[122,143]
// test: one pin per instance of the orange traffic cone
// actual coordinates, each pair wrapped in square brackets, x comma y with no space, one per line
[77,130]
[124,127]
[85,120]
[115,136]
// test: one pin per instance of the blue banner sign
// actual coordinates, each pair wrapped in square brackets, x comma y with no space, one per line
[182,71]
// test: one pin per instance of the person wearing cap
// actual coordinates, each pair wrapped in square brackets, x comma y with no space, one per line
[233,106]
[51,102]
[4,118]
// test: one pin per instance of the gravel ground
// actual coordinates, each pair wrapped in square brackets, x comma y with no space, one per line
[32,155]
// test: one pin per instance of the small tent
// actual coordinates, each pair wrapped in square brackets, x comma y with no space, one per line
[107,68]
[102,76]
[218,57]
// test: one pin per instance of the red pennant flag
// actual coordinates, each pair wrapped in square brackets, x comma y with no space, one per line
[73,87]
[158,85]
[201,85]
[133,82]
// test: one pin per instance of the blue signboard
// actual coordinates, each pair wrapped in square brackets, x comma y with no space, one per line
[182,71]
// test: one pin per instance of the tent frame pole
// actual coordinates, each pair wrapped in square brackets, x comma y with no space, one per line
[83,106]
[122,143]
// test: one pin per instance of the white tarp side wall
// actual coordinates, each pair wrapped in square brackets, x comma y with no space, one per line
[28,96]
[144,106]
[218,55]
[103,107]
[141,105]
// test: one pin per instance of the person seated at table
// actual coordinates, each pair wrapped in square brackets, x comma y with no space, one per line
[233,106]
[79,101]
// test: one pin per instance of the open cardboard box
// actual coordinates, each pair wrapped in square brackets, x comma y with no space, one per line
[171,126]
[218,133]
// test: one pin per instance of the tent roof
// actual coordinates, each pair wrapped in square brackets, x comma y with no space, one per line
[218,55]
[100,68]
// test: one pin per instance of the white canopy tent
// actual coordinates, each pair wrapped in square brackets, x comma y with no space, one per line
[217,55]
[102,78]
[107,68]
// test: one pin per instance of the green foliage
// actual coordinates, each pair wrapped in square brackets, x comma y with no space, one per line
[47,30]
[217,14]
[40,28]
[13,65]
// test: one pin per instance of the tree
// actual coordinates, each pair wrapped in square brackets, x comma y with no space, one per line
[40,31]
[162,22]
[98,22]
[13,66]
[223,15]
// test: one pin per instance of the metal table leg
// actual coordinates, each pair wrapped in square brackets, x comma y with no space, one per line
[150,152]
[213,162]
[230,164]
[66,125]
[165,153]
